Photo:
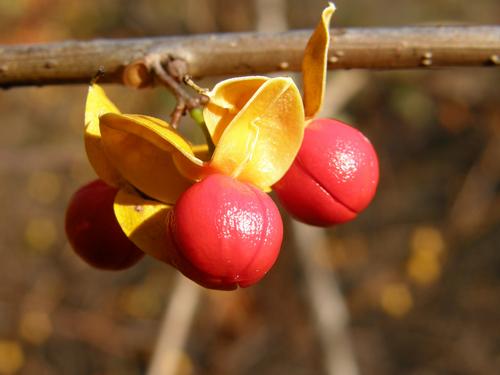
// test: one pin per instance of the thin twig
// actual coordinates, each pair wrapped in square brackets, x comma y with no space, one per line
[247,53]
[188,80]
[172,80]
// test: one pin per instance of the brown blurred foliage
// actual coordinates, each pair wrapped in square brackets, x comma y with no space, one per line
[420,269]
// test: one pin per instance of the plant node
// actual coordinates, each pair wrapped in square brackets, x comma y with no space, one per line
[171,74]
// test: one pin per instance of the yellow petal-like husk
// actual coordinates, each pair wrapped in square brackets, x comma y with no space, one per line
[143,222]
[262,140]
[201,151]
[227,98]
[148,153]
[314,64]
[98,104]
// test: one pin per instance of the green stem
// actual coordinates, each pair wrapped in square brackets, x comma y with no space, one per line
[197,115]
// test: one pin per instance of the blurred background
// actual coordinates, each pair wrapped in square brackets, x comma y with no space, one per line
[418,271]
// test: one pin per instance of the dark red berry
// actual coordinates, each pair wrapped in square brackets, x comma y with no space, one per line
[93,231]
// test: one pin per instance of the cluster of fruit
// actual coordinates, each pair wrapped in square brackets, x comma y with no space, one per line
[212,219]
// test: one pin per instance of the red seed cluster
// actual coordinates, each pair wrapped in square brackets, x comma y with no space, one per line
[223,233]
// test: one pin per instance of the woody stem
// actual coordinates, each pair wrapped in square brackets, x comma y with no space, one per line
[172,78]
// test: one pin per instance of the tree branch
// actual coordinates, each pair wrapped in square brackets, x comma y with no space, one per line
[247,53]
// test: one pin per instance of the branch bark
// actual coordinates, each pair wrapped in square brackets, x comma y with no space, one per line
[249,53]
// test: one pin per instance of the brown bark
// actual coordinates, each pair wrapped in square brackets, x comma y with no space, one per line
[250,53]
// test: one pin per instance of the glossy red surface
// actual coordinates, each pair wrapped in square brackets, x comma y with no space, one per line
[226,233]
[334,176]
[93,231]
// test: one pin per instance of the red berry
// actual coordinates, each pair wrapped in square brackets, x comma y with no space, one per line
[334,176]
[225,233]
[93,231]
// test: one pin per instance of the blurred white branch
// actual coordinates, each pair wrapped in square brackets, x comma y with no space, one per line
[328,306]
[340,88]
[175,327]
[477,193]
[271,15]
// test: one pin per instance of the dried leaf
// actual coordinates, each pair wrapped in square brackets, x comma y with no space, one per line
[98,104]
[262,140]
[150,155]
[144,223]
[314,64]
[227,98]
